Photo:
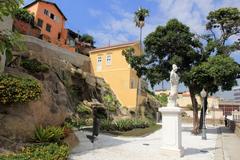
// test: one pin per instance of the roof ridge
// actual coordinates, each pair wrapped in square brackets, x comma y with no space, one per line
[44,1]
[115,46]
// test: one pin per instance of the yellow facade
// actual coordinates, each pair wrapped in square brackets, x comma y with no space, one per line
[110,64]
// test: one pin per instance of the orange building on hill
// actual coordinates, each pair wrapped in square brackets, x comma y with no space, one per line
[50,20]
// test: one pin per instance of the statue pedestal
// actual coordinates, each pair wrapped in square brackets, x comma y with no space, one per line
[171,129]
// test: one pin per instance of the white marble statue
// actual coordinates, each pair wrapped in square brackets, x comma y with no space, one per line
[174,81]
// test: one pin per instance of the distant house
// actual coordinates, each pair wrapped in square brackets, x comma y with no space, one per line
[50,26]
[73,43]
[50,19]
[111,65]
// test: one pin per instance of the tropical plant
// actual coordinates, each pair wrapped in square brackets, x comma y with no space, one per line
[49,134]
[140,16]
[83,110]
[16,89]
[124,124]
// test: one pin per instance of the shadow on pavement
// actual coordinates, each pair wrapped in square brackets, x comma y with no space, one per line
[102,141]
[210,130]
[191,151]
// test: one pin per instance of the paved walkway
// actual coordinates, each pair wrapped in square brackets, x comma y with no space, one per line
[227,146]
[145,148]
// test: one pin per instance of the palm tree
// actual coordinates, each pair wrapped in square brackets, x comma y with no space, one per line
[139,20]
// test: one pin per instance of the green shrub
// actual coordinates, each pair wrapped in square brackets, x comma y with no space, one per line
[34,66]
[107,125]
[16,89]
[124,124]
[49,134]
[110,103]
[162,98]
[190,107]
[51,151]
[83,110]
[75,122]
[24,15]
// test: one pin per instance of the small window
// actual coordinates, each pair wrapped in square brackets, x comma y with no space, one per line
[48,27]
[99,60]
[99,63]
[52,16]
[108,59]
[57,19]
[46,12]
[132,84]
[40,23]
[59,36]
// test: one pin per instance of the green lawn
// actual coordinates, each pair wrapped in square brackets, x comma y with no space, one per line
[139,132]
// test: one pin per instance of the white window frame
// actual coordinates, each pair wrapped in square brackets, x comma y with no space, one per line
[99,63]
[132,84]
[108,59]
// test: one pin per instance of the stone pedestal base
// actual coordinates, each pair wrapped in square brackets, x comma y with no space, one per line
[171,129]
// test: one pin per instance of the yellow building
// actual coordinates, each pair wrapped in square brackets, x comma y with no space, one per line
[110,64]
[184,100]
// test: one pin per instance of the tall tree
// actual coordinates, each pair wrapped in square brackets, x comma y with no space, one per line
[139,19]
[224,27]
[217,71]
[167,45]
[174,43]
[223,24]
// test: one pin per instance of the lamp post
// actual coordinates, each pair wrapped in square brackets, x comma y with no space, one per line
[203,95]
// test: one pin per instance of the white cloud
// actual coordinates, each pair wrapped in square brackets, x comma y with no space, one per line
[121,28]
[118,30]
[94,12]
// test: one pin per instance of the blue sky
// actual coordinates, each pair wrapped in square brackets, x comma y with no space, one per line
[112,20]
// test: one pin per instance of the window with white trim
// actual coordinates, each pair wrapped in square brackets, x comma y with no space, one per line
[108,59]
[99,63]
[132,83]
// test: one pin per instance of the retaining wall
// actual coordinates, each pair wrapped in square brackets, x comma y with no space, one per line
[52,54]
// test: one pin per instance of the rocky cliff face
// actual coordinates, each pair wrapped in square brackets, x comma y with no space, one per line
[63,87]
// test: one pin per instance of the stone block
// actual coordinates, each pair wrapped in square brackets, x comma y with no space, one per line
[91,80]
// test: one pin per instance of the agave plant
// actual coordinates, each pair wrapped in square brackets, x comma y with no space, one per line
[139,17]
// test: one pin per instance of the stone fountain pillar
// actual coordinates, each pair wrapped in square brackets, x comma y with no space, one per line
[171,121]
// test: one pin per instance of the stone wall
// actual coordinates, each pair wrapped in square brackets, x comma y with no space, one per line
[52,54]
[6,24]
[237,129]
[234,126]
[26,28]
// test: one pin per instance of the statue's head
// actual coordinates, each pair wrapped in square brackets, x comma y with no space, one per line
[174,67]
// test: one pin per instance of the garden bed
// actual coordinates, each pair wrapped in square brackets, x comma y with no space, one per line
[138,132]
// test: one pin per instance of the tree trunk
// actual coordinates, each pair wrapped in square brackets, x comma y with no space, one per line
[205,103]
[195,129]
